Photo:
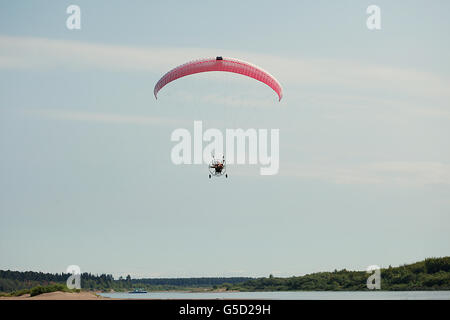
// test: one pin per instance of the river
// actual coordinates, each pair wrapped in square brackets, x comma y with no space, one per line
[289,295]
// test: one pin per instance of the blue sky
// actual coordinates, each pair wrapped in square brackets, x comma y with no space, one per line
[85,170]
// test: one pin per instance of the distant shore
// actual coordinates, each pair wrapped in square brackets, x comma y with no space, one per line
[431,274]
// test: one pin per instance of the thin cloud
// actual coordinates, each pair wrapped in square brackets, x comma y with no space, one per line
[401,173]
[42,53]
[225,100]
[103,117]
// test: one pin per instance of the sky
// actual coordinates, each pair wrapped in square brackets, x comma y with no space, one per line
[86,176]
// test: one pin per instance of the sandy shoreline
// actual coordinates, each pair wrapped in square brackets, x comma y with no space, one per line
[88,295]
[59,295]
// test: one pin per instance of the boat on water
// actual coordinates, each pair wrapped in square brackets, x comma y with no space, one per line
[137,291]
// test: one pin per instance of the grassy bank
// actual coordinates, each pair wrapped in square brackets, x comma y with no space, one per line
[35,291]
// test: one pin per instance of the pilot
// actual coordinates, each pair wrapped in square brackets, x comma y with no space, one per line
[219,167]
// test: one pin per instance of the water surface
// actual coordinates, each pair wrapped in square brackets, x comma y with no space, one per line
[290,295]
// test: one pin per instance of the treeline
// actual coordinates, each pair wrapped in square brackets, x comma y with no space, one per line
[17,280]
[11,281]
[430,274]
[190,282]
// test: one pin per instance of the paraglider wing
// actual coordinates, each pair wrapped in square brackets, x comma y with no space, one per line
[220,64]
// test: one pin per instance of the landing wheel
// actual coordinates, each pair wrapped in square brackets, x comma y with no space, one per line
[210,176]
[226,175]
